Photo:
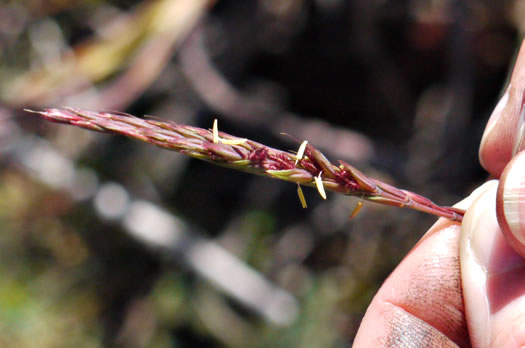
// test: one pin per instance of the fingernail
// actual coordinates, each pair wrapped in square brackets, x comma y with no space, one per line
[480,217]
[496,114]
[487,245]
[476,243]
[489,268]
[513,195]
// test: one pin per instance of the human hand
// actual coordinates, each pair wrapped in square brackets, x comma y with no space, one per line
[465,285]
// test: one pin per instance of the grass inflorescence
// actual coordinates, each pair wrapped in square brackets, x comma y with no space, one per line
[308,167]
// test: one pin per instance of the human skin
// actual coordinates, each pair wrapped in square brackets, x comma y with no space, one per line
[464,284]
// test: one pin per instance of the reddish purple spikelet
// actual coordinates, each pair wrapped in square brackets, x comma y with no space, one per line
[345,177]
[282,162]
[258,156]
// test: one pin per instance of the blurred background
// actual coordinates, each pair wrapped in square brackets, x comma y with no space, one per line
[107,242]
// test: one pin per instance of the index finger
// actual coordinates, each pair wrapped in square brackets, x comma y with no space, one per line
[503,136]
[421,302]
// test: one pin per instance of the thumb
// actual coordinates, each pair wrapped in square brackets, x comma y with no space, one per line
[510,206]
[493,276]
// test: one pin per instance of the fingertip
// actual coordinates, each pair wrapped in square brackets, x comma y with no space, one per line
[510,203]
[495,149]
[503,136]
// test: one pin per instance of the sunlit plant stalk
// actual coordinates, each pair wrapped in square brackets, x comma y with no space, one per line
[308,167]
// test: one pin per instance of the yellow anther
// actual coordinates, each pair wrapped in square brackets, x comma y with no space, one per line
[356,210]
[232,141]
[301,196]
[300,152]
[320,186]
[216,139]
[215,132]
